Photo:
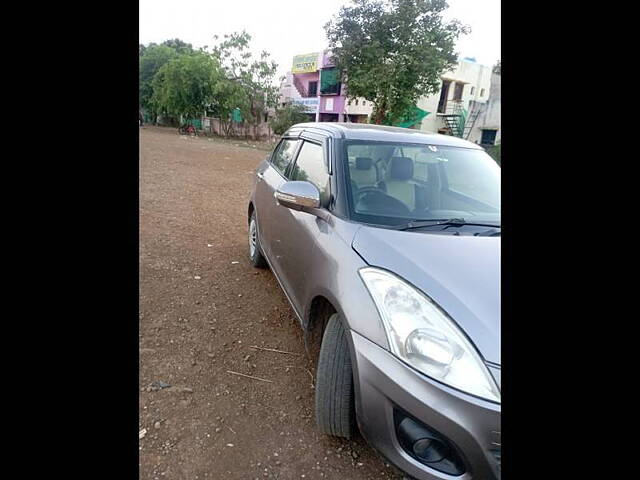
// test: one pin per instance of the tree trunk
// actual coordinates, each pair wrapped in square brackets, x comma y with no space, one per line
[381,110]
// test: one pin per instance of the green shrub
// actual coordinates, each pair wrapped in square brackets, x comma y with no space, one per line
[494,151]
[287,116]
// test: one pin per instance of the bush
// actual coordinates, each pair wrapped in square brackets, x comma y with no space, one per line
[494,151]
[287,116]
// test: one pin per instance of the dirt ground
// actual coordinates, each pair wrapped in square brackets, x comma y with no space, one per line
[202,308]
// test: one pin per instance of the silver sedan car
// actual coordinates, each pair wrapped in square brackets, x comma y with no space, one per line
[386,242]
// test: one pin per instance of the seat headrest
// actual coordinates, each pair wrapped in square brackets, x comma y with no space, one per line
[363,163]
[401,168]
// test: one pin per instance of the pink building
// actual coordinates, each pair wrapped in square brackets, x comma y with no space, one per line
[315,83]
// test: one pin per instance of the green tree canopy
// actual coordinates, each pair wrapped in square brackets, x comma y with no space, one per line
[392,52]
[177,80]
[186,84]
[152,58]
[179,46]
[255,77]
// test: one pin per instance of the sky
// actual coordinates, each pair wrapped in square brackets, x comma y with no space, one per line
[285,28]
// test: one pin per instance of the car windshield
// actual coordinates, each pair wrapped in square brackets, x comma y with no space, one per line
[394,183]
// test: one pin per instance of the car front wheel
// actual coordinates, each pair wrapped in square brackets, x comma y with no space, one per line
[335,408]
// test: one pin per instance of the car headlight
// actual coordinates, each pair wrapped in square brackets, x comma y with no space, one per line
[422,335]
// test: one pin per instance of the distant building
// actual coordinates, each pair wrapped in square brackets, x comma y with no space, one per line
[314,82]
[464,91]
[467,104]
[486,129]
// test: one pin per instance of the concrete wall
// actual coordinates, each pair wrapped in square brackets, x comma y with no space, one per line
[243,130]
[489,118]
[364,107]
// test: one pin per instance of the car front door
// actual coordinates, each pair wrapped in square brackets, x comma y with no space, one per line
[270,175]
[297,234]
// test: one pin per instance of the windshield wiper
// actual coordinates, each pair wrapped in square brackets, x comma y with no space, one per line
[492,232]
[441,221]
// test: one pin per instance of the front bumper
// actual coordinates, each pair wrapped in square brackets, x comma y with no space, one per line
[384,384]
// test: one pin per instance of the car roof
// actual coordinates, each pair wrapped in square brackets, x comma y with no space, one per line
[381,133]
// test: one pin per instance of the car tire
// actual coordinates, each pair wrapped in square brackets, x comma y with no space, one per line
[335,408]
[255,251]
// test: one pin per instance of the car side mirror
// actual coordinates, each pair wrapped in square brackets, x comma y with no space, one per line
[297,195]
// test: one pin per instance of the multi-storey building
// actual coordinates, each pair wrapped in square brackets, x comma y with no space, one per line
[315,83]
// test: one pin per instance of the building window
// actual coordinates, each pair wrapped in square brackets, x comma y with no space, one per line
[313,89]
[329,81]
[364,103]
[473,89]
[356,101]
[488,137]
[457,93]
[482,92]
[349,103]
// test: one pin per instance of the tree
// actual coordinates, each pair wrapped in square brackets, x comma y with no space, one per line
[186,85]
[179,46]
[151,59]
[287,116]
[392,52]
[228,95]
[255,77]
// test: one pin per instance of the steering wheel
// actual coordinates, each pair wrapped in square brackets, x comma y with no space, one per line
[376,201]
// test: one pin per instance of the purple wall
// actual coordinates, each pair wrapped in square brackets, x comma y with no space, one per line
[338,104]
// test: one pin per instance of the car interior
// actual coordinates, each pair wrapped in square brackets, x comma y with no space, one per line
[411,182]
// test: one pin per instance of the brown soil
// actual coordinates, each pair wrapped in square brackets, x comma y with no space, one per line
[202,307]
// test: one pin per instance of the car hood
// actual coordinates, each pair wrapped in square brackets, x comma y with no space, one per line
[460,273]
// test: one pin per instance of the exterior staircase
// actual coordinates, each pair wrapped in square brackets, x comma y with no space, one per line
[455,118]
[300,87]
[476,109]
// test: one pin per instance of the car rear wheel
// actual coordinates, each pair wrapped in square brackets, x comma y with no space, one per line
[335,408]
[255,252]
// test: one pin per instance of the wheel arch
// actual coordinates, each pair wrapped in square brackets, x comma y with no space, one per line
[250,210]
[318,312]
[320,309]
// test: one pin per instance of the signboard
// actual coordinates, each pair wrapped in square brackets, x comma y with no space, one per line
[310,103]
[305,63]
[328,104]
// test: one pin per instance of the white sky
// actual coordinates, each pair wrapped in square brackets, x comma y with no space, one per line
[285,28]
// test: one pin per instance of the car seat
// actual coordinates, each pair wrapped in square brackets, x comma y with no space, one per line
[399,181]
[364,175]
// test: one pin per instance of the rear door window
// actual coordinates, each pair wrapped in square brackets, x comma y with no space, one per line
[283,154]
